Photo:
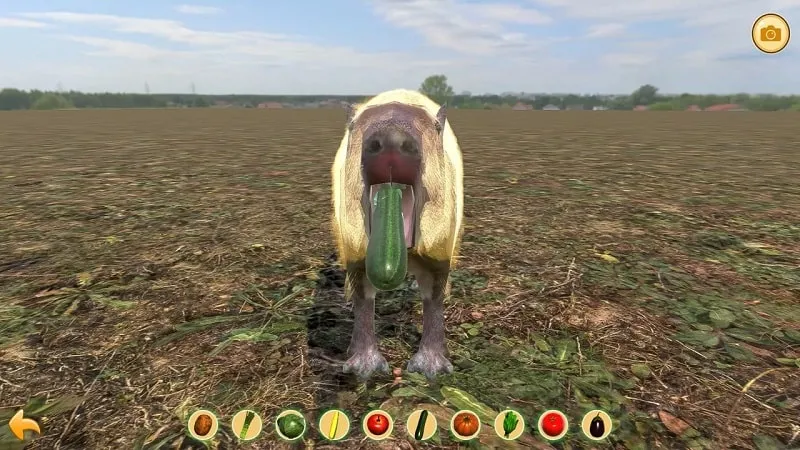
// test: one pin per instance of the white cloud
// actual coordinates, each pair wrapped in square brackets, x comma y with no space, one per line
[624,10]
[603,30]
[691,13]
[163,28]
[222,62]
[275,48]
[11,22]
[481,47]
[198,9]
[467,28]
[127,49]
[508,13]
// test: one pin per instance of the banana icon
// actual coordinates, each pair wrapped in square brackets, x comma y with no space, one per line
[334,425]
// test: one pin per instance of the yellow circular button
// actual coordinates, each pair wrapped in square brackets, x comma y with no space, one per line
[771,33]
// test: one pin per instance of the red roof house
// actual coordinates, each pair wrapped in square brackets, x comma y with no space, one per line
[725,107]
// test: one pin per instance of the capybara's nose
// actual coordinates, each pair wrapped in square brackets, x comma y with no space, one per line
[391,139]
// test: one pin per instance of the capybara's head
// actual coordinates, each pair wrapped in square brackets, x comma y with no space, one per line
[395,141]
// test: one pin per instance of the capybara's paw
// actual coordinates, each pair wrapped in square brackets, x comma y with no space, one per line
[430,363]
[366,362]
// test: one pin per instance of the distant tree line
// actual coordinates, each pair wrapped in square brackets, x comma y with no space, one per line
[12,99]
[435,86]
[648,95]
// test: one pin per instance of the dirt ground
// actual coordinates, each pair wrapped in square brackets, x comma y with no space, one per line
[156,261]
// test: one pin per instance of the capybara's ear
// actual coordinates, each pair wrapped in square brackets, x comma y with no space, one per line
[350,110]
[441,118]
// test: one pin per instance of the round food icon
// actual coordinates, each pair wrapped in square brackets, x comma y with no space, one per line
[202,425]
[378,425]
[334,425]
[596,425]
[421,425]
[553,425]
[771,33]
[246,425]
[509,425]
[465,425]
[290,425]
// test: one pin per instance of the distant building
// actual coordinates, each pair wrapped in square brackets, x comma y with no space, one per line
[522,107]
[641,108]
[694,108]
[725,107]
[270,105]
[332,103]
[551,107]
[599,108]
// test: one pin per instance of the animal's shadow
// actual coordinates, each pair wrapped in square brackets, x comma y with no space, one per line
[330,324]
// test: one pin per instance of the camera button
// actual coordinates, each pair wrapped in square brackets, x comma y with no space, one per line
[771,33]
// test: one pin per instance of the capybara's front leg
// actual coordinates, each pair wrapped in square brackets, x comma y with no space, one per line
[365,358]
[432,278]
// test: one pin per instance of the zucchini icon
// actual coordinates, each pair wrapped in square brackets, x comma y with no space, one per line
[387,256]
[419,432]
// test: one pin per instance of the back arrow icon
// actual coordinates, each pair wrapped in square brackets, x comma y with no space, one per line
[19,424]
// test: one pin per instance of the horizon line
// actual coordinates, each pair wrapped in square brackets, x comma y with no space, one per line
[513,93]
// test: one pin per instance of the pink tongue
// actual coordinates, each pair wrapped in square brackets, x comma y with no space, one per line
[408,217]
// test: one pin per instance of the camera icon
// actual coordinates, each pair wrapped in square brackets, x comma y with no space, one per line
[771,33]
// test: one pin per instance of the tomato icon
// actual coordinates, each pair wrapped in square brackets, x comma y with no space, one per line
[378,424]
[553,425]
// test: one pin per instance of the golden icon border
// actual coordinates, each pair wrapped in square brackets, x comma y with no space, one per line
[214,424]
[788,33]
[435,425]
[233,417]
[374,436]
[546,436]
[346,433]
[521,425]
[287,412]
[459,435]
[585,424]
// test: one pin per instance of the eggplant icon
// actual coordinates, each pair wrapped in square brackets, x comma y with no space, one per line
[597,428]
[596,425]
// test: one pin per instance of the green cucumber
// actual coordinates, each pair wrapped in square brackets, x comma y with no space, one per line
[247,419]
[419,432]
[387,256]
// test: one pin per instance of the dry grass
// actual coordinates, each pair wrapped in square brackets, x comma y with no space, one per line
[157,261]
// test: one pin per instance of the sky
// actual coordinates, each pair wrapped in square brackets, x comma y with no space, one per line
[353,47]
